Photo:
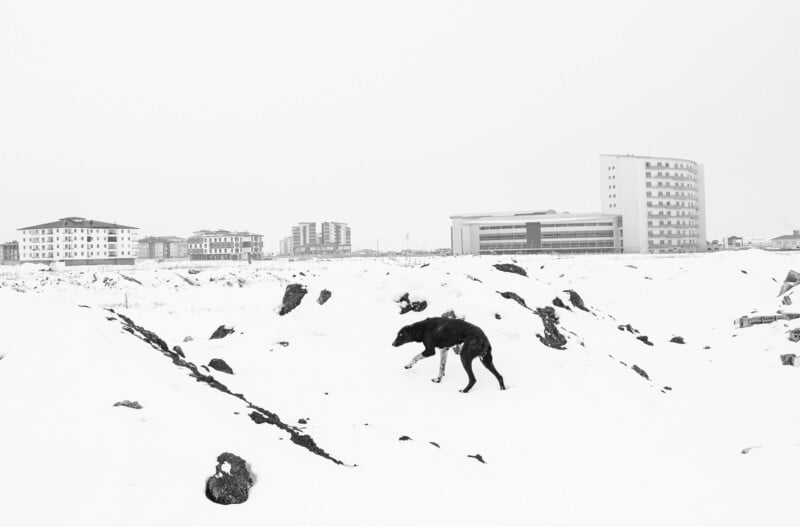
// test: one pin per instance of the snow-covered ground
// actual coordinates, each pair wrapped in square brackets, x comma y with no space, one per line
[579,437]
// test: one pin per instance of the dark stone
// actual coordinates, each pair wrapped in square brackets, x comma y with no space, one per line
[194,271]
[510,295]
[644,339]
[511,268]
[434,443]
[129,404]
[473,279]
[232,481]
[668,388]
[404,438]
[407,305]
[179,351]
[260,419]
[552,336]
[188,339]
[220,365]
[560,303]
[677,340]
[423,266]
[221,332]
[576,300]
[292,297]
[787,301]
[129,279]
[640,371]
[791,280]
[628,328]
[790,359]
[81,305]
[794,335]
[744,272]
[497,316]
[324,296]
[478,457]
[302,421]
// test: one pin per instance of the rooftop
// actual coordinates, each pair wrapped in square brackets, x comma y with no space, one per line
[72,222]
[650,157]
[545,216]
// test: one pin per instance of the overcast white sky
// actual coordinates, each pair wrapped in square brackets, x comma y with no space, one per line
[174,116]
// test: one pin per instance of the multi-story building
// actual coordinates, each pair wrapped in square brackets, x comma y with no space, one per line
[162,247]
[334,239]
[225,245]
[9,252]
[535,232]
[78,241]
[787,241]
[286,246]
[661,201]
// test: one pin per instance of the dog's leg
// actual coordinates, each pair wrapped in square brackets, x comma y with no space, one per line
[466,361]
[486,360]
[442,362]
[415,360]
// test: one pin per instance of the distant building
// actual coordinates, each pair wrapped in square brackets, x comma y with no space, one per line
[661,201]
[9,252]
[535,232]
[334,238]
[78,241]
[225,245]
[787,241]
[162,247]
[286,246]
[735,241]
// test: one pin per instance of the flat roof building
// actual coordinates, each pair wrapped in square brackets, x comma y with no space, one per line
[163,247]
[9,252]
[661,201]
[78,241]
[787,241]
[535,232]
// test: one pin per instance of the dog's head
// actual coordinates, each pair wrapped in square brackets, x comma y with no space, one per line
[403,336]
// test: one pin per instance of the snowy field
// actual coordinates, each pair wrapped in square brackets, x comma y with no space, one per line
[711,435]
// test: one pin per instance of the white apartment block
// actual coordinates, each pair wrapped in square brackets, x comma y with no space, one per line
[306,240]
[661,201]
[225,245]
[535,232]
[78,241]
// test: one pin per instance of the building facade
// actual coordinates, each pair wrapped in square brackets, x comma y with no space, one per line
[225,245]
[535,232]
[286,245]
[9,252]
[162,247]
[661,201]
[78,241]
[333,238]
[787,241]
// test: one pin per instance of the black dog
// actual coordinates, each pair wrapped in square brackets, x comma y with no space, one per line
[446,333]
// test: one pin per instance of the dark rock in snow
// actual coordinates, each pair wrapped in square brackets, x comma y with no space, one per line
[677,340]
[511,268]
[292,297]
[81,305]
[434,443]
[668,388]
[130,279]
[187,339]
[260,419]
[302,421]
[478,457]
[640,371]
[283,343]
[407,305]
[515,297]
[231,482]
[576,300]
[744,272]
[194,271]
[560,303]
[644,339]
[497,316]
[220,365]
[179,351]
[628,328]
[794,335]
[787,301]
[221,332]
[790,359]
[324,296]
[424,265]
[791,280]
[129,404]
[473,279]
[404,438]
[552,336]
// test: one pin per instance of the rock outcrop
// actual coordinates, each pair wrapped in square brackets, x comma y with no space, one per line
[511,268]
[232,481]
[221,332]
[324,296]
[292,297]
[220,365]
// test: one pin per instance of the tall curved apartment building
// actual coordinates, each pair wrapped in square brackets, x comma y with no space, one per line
[661,201]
